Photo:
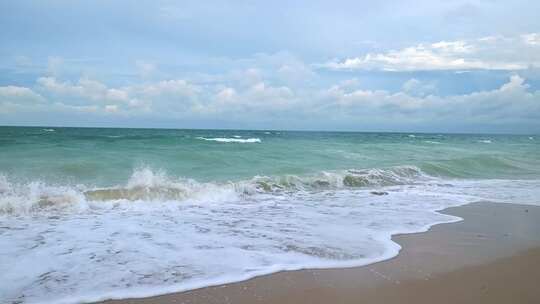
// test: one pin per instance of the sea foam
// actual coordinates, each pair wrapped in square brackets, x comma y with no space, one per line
[147,185]
[150,240]
[232,140]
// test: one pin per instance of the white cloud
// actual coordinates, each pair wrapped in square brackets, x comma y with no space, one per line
[260,92]
[88,95]
[488,53]
[511,102]
[14,98]
[85,90]
[116,94]
[15,93]
[174,97]
[258,98]
[344,103]
[178,87]
[169,95]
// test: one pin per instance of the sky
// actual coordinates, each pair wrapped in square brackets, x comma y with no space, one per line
[410,66]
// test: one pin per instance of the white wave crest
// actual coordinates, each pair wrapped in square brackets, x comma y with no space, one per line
[36,195]
[231,140]
[148,185]
[143,186]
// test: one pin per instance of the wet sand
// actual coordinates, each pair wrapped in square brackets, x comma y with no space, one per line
[493,256]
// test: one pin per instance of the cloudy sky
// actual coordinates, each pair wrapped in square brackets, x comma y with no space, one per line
[441,66]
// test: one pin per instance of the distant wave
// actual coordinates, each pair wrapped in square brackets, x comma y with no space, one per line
[432,142]
[232,140]
[485,141]
[48,130]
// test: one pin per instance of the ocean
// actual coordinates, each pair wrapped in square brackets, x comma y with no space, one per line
[88,214]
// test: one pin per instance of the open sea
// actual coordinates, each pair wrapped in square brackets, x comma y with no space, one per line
[88,214]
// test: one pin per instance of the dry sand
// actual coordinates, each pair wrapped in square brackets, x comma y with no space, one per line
[493,256]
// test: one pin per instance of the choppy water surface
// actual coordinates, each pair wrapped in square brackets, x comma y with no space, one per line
[90,214]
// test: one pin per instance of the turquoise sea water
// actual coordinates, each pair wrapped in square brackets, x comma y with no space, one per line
[170,210]
[106,157]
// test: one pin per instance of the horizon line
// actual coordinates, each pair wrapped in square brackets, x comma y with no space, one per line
[260,129]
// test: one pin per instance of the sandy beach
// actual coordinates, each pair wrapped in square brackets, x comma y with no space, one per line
[492,256]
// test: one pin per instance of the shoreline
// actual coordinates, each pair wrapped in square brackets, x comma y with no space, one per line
[491,236]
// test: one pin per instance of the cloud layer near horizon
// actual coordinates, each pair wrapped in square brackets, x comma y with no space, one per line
[345,104]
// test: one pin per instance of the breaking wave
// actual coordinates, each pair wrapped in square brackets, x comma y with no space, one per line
[236,139]
[147,185]
[150,185]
